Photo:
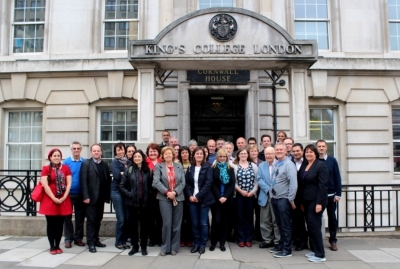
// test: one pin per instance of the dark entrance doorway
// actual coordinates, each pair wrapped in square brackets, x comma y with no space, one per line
[216,116]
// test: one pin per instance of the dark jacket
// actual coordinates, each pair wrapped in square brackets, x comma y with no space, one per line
[229,187]
[130,183]
[204,195]
[315,184]
[116,168]
[90,182]
[335,181]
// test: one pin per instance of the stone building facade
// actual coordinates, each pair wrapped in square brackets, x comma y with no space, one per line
[102,71]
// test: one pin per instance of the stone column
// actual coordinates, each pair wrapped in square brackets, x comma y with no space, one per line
[5,11]
[299,111]
[146,103]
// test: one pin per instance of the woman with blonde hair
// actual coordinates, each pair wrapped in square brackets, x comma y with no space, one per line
[169,180]
[222,188]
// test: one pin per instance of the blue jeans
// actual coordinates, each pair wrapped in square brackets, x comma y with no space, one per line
[121,212]
[283,216]
[199,215]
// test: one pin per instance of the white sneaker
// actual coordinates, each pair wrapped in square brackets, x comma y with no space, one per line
[310,254]
[316,259]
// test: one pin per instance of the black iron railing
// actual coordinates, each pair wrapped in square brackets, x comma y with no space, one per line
[365,207]
[369,207]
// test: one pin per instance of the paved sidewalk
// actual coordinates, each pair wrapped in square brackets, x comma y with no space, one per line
[354,252]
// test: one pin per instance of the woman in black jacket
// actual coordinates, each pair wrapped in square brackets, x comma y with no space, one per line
[198,184]
[136,187]
[223,188]
[313,186]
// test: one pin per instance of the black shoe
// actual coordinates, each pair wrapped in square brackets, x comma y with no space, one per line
[99,245]
[144,252]
[92,249]
[202,250]
[223,248]
[194,249]
[282,254]
[212,247]
[133,251]
[276,249]
[266,245]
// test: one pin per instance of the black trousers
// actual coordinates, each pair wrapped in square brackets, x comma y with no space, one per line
[314,223]
[139,216]
[300,234]
[80,212]
[219,224]
[54,230]
[94,215]
[186,225]
[155,222]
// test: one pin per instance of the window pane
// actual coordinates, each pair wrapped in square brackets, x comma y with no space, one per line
[40,14]
[215,3]
[321,124]
[394,36]
[311,12]
[322,12]
[19,15]
[396,156]
[300,11]
[106,133]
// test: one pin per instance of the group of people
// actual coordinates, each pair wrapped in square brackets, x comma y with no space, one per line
[164,196]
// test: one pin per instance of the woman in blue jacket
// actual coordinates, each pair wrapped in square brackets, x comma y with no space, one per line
[198,190]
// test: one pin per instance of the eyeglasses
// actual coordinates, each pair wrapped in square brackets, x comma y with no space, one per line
[76,148]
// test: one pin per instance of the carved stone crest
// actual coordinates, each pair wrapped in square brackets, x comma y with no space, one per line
[223,27]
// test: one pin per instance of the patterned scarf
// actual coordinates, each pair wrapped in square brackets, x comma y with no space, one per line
[171,178]
[223,172]
[60,179]
[124,161]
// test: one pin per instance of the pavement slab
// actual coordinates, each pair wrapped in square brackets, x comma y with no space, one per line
[176,262]
[7,244]
[19,255]
[130,262]
[91,259]
[39,243]
[216,264]
[392,251]
[355,243]
[4,237]
[46,260]
[347,265]
[370,256]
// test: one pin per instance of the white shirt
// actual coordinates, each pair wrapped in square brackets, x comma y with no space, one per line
[298,163]
[196,180]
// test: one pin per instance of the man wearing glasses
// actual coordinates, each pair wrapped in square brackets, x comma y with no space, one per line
[74,162]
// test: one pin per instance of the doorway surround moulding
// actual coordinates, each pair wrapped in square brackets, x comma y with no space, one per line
[258,44]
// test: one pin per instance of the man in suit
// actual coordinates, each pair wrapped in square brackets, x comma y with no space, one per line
[265,143]
[300,234]
[334,191]
[241,144]
[165,138]
[95,185]
[269,229]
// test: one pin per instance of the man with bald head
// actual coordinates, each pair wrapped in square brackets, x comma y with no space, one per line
[240,144]
[212,154]
[269,229]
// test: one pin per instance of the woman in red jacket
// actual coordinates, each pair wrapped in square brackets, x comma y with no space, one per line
[55,204]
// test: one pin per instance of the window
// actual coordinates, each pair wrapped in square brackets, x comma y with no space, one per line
[215,3]
[396,139]
[394,24]
[29,26]
[322,127]
[24,140]
[311,21]
[116,126]
[120,23]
